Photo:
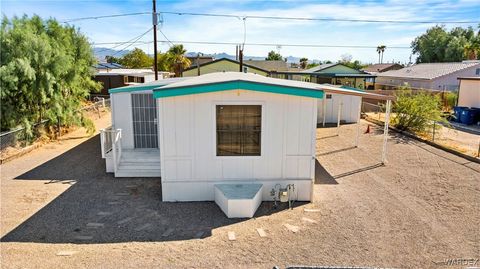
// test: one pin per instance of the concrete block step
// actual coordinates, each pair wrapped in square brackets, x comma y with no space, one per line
[139,159]
[129,165]
[137,173]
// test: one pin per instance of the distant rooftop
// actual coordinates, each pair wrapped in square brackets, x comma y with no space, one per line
[429,70]
[381,67]
[319,67]
[269,65]
[108,66]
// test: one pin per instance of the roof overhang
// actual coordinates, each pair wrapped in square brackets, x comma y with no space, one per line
[236,85]
[315,74]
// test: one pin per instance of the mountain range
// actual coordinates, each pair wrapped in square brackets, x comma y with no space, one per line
[100,53]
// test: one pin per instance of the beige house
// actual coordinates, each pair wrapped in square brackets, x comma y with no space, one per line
[430,76]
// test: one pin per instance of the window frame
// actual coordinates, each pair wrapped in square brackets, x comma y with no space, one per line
[262,128]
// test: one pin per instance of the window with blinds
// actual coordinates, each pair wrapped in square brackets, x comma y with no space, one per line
[239,130]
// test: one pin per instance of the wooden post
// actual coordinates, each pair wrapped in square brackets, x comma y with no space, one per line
[155,22]
[324,108]
[198,64]
[357,137]
[385,131]
[340,106]
[240,55]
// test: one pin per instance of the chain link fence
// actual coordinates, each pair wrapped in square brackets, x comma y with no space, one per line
[452,136]
[18,136]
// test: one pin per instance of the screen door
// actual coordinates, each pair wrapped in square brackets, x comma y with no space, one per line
[144,111]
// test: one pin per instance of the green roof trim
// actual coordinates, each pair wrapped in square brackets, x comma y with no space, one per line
[133,88]
[351,88]
[234,85]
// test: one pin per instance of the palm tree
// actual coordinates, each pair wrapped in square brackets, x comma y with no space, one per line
[177,60]
[303,62]
[471,50]
[380,50]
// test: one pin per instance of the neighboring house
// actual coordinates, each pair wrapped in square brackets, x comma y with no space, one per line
[380,68]
[223,65]
[335,73]
[270,66]
[469,92]
[199,60]
[429,76]
[230,137]
[119,77]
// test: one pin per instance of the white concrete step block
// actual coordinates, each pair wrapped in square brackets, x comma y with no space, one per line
[238,200]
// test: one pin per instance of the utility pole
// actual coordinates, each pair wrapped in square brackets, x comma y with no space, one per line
[198,64]
[155,22]
[240,56]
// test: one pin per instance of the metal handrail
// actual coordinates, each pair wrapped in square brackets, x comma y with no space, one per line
[111,141]
[116,147]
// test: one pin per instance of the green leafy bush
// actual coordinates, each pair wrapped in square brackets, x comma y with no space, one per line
[45,74]
[416,112]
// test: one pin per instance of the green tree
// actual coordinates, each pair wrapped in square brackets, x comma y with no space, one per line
[311,65]
[45,73]
[303,62]
[440,45]
[136,58]
[177,61]
[112,59]
[416,111]
[274,56]
[346,59]
[163,63]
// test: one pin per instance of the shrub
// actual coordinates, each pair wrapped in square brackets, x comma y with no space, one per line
[416,112]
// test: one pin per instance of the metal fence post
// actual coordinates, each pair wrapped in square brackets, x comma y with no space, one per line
[434,125]
[478,152]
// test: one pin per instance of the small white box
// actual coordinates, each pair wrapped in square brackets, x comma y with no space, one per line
[238,200]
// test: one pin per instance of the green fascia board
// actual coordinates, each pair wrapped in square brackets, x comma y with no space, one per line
[351,88]
[235,85]
[133,88]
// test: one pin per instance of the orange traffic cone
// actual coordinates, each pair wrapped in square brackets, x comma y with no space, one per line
[368,129]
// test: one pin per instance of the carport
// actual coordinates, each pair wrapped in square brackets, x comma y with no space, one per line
[331,89]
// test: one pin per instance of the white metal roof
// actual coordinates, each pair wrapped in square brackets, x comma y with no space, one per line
[220,77]
[429,70]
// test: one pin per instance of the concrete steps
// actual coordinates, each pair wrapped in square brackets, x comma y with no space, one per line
[139,164]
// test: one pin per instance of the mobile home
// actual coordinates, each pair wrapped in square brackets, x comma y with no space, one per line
[225,136]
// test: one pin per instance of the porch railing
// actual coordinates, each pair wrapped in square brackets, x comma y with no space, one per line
[111,143]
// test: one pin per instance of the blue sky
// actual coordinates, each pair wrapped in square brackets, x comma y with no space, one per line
[192,28]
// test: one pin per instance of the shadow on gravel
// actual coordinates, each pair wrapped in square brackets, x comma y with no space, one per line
[99,208]
[322,176]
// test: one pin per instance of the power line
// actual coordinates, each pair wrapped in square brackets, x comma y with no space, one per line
[314,19]
[259,44]
[133,42]
[161,32]
[243,17]
[286,45]
[106,16]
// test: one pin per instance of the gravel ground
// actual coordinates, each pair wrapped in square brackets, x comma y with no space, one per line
[60,209]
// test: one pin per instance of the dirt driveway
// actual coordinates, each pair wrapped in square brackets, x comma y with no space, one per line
[60,210]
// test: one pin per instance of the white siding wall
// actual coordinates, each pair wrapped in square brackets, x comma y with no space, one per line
[122,116]
[188,144]
[350,108]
